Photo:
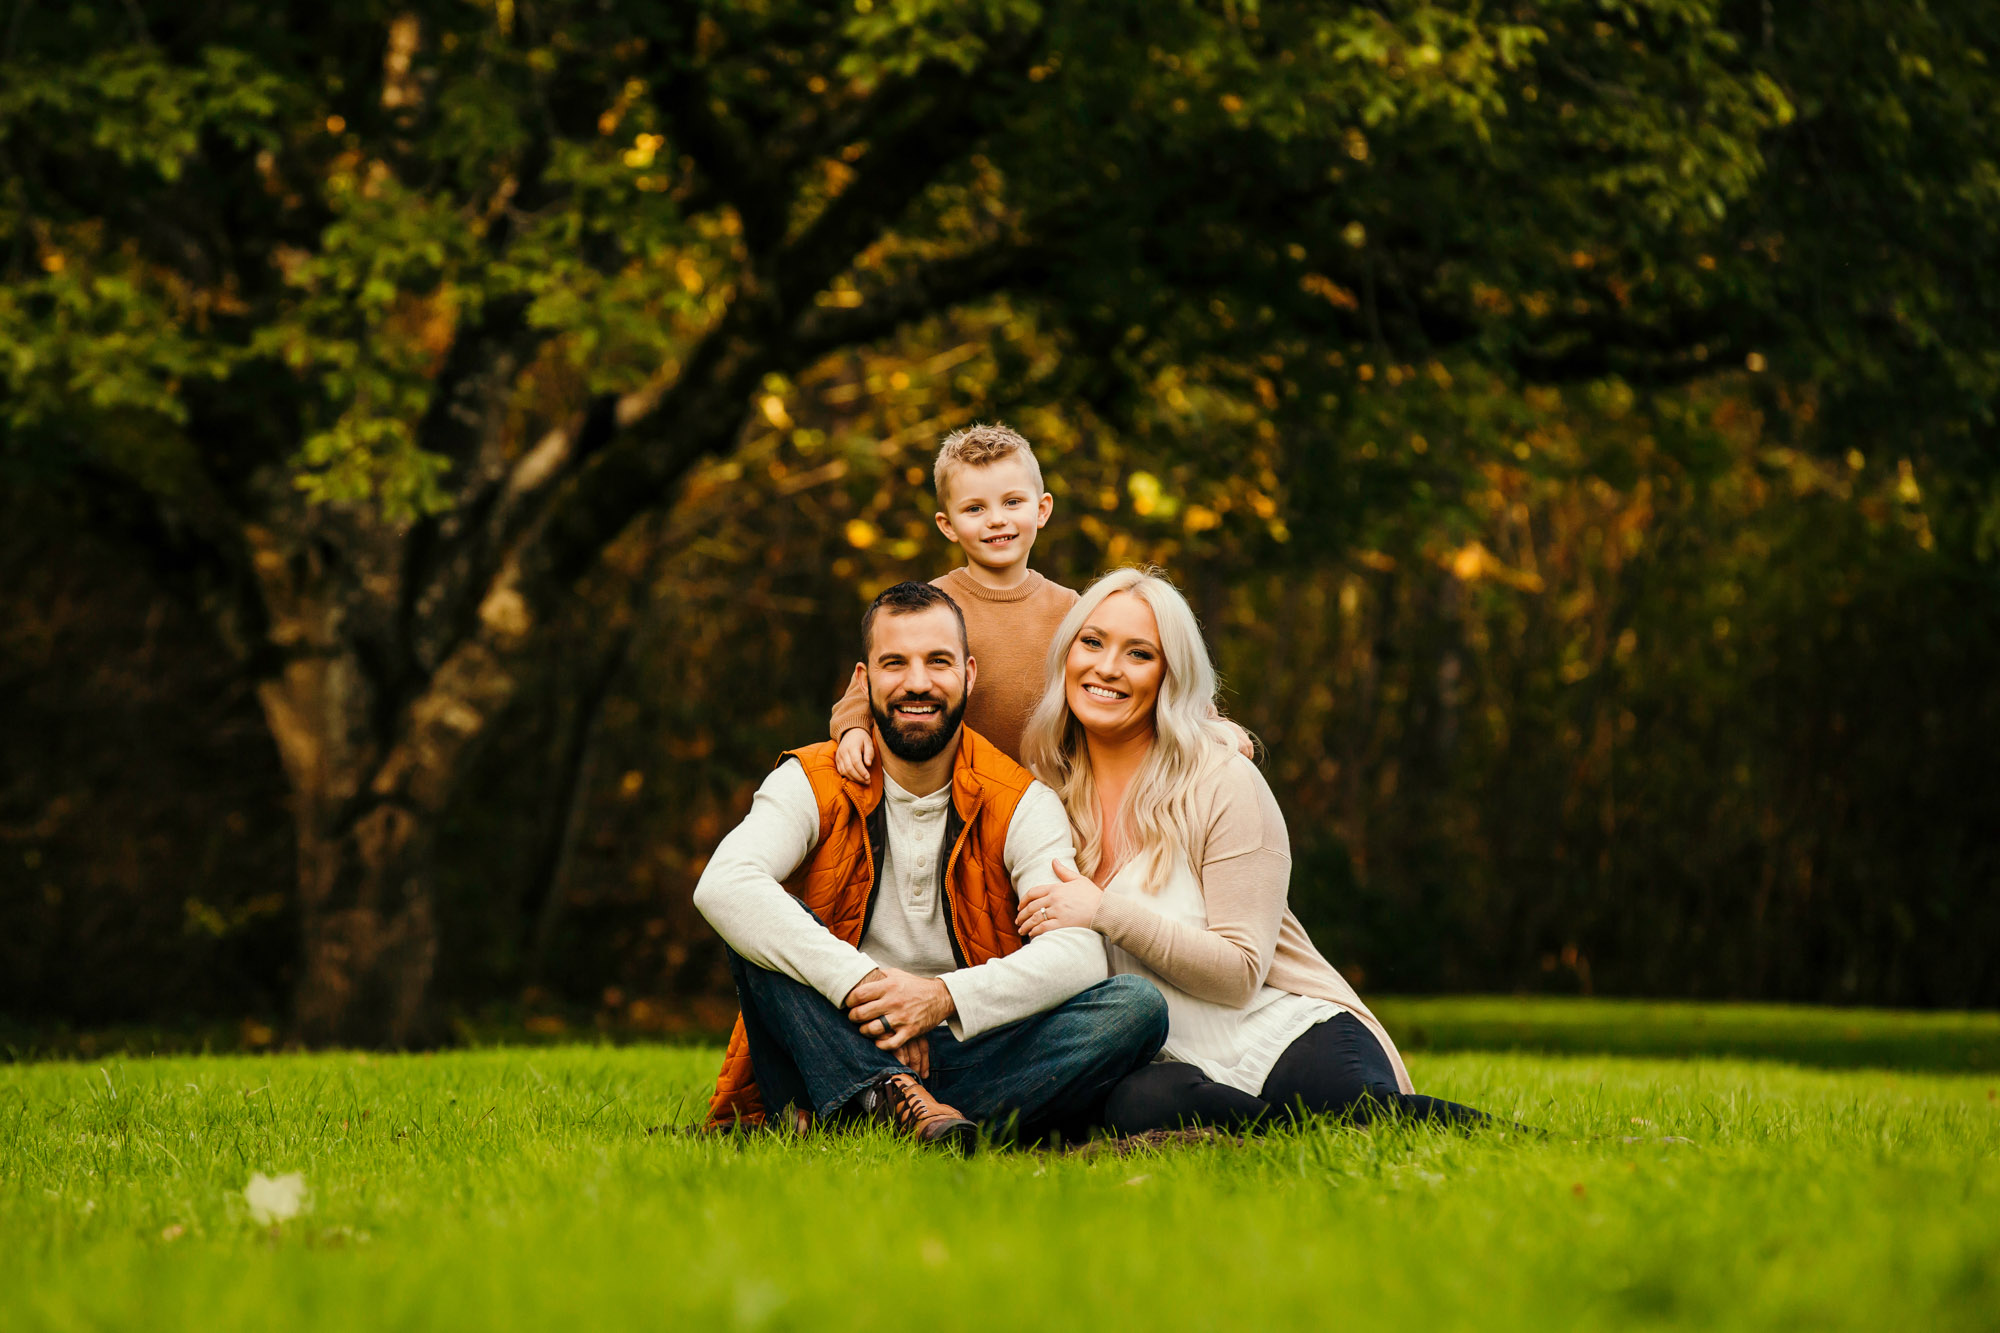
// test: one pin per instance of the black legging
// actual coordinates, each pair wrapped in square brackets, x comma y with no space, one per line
[1335,1067]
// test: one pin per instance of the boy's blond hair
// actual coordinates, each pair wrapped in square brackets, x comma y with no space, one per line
[976,446]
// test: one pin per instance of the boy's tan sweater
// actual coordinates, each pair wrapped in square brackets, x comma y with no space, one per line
[1009,635]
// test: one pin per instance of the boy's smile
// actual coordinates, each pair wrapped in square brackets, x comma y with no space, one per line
[993,514]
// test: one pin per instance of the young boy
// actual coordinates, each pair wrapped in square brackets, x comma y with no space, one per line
[991,505]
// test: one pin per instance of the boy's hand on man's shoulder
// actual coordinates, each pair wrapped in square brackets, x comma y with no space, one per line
[856,754]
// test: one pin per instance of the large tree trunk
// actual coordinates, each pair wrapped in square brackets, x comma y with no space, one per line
[368,921]
[369,944]
[374,747]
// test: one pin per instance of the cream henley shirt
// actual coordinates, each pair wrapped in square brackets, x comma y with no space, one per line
[742,894]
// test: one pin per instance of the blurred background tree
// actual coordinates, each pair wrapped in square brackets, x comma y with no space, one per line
[448,448]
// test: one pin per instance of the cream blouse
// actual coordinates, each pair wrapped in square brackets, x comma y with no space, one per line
[1232,1044]
[1245,941]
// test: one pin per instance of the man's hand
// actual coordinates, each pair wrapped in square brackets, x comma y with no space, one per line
[894,1007]
[1071,902]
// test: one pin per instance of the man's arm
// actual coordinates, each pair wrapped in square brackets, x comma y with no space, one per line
[742,895]
[1048,969]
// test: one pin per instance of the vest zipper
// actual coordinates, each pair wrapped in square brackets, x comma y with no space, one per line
[868,831]
[951,853]
[944,891]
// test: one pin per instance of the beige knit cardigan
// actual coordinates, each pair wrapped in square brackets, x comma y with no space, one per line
[1253,937]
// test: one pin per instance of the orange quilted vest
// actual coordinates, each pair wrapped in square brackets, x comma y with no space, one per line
[838,881]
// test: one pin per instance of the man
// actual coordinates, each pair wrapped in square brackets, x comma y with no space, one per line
[871,926]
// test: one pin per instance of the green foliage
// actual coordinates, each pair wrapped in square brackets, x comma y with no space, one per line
[1577,189]
[375,211]
[1216,193]
[519,1187]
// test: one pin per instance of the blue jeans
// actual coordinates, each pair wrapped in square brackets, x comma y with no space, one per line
[1047,1073]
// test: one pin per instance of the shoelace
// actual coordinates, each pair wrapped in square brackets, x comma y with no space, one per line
[902,1106]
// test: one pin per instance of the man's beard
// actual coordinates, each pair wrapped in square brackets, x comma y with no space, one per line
[914,747]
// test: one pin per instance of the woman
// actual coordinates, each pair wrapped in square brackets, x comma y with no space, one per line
[1189,866]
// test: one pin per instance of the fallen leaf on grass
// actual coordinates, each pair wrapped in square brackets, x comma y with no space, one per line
[275,1199]
[172,1231]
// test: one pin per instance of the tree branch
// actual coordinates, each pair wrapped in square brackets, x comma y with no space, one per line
[721,150]
[448,554]
[577,490]
[929,289]
[767,327]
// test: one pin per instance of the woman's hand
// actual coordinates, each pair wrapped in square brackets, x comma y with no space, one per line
[1071,902]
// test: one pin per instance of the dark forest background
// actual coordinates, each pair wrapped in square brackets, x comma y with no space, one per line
[447,450]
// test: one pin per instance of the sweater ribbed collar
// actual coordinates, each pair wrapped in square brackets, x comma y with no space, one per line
[964,585]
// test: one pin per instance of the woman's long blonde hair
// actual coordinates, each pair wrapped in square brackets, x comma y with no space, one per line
[1189,740]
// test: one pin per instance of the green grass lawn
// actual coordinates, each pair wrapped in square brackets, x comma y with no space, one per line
[519,1188]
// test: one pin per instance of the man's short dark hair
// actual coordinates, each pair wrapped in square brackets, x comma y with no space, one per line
[906,599]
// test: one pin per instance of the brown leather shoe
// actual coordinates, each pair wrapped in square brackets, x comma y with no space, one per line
[902,1101]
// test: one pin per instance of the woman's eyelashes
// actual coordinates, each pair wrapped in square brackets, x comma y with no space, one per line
[1095,644]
